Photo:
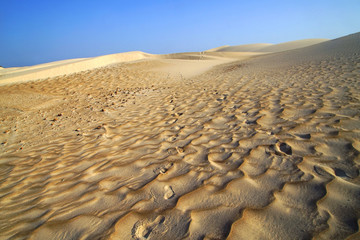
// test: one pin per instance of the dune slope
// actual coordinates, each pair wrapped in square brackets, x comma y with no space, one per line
[72,66]
[280,47]
[48,70]
[243,48]
[261,148]
[268,47]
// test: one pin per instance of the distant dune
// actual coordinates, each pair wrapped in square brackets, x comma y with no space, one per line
[48,70]
[292,45]
[257,47]
[267,47]
[347,45]
[53,69]
[217,48]
[58,68]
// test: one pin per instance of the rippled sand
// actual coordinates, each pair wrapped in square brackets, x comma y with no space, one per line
[262,148]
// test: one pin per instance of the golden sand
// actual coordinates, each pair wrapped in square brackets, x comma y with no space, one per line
[210,145]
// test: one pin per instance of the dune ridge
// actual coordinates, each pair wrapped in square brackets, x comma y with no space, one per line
[266,147]
[268,47]
[242,48]
[58,68]
[71,66]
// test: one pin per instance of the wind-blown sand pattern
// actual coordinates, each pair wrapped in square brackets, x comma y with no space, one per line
[261,148]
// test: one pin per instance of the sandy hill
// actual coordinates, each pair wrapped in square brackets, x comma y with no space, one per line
[241,48]
[344,46]
[190,64]
[267,47]
[48,70]
[225,53]
[292,45]
[217,48]
[214,145]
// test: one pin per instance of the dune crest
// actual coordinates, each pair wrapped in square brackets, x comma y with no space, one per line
[49,70]
[243,48]
[187,67]
[268,47]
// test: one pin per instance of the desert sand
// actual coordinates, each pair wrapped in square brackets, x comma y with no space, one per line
[241,144]
[268,47]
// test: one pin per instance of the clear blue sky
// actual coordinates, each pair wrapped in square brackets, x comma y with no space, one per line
[34,31]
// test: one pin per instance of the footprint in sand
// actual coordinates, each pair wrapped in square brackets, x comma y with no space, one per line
[169,192]
[164,169]
[144,229]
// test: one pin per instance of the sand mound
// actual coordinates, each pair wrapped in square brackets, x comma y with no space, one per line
[191,64]
[345,46]
[217,48]
[58,68]
[265,147]
[267,47]
[245,48]
[292,45]
[185,68]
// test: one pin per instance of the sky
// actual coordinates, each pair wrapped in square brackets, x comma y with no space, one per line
[39,31]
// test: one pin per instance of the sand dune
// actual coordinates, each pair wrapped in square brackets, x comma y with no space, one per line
[192,64]
[264,147]
[292,45]
[59,68]
[242,48]
[268,47]
[217,48]
[64,67]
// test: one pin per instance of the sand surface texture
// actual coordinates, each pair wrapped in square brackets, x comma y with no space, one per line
[263,147]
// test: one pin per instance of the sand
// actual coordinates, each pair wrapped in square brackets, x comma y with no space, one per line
[268,47]
[212,145]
